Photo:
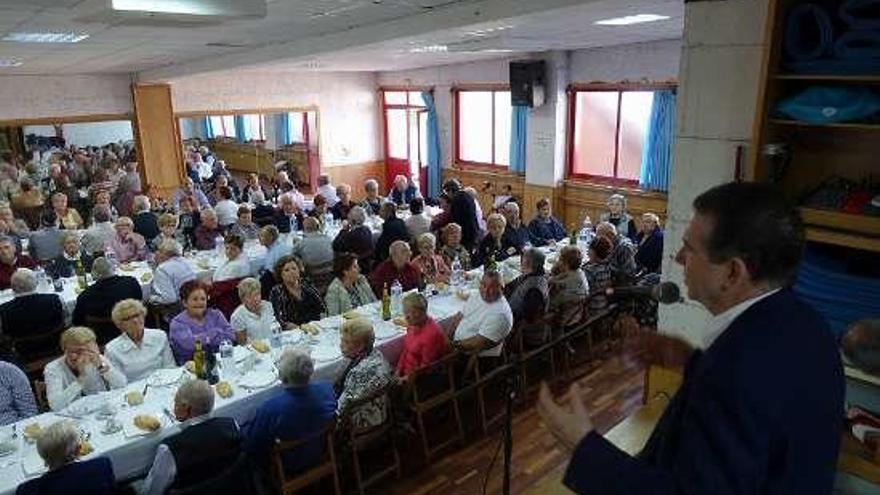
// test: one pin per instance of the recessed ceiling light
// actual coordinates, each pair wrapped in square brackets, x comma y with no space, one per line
[632,19]
[45,37]
[429,49]
[9,62]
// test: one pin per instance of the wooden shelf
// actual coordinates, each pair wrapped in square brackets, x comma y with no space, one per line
[862,224]
[853,127]
[865,79]
[845,239]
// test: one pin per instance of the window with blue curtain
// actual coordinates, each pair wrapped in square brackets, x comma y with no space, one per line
[433,145]
[208,128]
[657,153]
[283,128]
[241,131]
[519,135]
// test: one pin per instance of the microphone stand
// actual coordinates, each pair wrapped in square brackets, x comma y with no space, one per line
[510,396]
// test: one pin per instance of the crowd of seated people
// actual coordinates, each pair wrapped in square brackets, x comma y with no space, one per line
[111,344]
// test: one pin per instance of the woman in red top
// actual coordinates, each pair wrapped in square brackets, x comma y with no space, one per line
[424,342]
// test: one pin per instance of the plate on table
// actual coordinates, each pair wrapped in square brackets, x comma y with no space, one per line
[136,425]
[258,379]
[127,267]
[85,406]
[330,323]
[240,353]
[325,354]
[165,377]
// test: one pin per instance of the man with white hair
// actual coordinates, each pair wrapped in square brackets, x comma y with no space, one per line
[146,223]
[326,189]
[303,408]
[98,299]
[100,233]
[31,315]
[485,321]
[315,248]
[59,446]
[403,191]
[171,272]
[516,230]
[288,214]
[202,450]
[397,267]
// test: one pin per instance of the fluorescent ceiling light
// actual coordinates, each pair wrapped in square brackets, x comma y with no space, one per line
[45,37]
[429,49]
[9,62]
[632,19]
[165,6]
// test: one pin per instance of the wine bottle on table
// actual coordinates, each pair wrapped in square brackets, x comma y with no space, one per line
[80,274]
[199,361]
[386,303]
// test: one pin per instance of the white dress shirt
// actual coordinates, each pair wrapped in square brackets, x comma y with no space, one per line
[719,323]
[256,326]
[137,362]
[240,267]
[167,279]
[329,193]
[491,320]
[227,212]
[62,387]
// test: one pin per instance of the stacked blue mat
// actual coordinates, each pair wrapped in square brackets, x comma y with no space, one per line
[833,37]
[841,298]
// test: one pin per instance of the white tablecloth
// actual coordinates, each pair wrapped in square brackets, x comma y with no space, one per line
[132,456]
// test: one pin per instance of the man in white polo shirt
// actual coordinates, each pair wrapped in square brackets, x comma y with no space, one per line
[485,321]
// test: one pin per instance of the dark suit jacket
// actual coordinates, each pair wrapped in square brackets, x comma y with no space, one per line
[649,255]
[759,412]
[92,477]
[147,225]
[463,211]
[358,241]
[98,300]
[392,230]
[31,316]
[282,221]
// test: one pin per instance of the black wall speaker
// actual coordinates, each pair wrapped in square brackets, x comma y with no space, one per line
[527,82]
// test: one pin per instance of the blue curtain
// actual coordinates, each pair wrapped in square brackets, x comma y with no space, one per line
[241,131]
[659,143]
[283,128]
[433,145]
[519,135]
[208,128]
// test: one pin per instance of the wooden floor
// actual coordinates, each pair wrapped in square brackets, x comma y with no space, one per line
[613,388]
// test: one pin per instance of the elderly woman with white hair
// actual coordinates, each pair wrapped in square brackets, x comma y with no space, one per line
[619,217]
[495,246]
[368,372]
[128,245]
[59,446]
[138,351]
[208,231]
[303,408]
[254,318]
[372,202]
[68,217]
[82,370]
[71,258]
[403,191]
[432,265]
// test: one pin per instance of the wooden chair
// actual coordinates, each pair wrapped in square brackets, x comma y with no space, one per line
[287,485]
[237,478]
[425,394]
[224,296]
[475,370]
[104,328]
[360,441]
[161,314]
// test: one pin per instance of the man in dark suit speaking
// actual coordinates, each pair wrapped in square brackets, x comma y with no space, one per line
[760,409]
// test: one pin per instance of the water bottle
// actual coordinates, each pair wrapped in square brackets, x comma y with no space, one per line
[293,225]
[40,275]
[110,256]
[275,338]
[218,245]
[396,293]
[226,356]
[456,272]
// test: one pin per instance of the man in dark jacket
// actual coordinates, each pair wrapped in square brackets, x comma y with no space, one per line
[394,229]
[463,211]
[31,320]
[94,304]
[203,450]
[761,409]
[145,221]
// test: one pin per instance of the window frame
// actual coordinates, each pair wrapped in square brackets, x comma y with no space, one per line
[456,141]
[416,108]
[620,88]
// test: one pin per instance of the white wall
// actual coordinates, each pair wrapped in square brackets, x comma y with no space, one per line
[347,104]
[87,133]
[31,97]
[720,70]
[546,147]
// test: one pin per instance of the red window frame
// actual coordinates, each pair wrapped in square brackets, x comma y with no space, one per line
[621,88]
[398,166]
[456,101]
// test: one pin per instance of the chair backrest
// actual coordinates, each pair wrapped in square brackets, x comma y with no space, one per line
[224,296]
[238,479]
[105,329]
[327,466]
[40,395]
[433,382]
[321,275]
[359,436]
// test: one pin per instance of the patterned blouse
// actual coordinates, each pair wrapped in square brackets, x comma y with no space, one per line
[464,257]
[365,375]
[288,309]
[434,268]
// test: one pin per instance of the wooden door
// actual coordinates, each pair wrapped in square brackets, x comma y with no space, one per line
[158,139]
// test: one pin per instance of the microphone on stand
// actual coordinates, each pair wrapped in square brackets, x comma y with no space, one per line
[664,293]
